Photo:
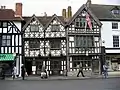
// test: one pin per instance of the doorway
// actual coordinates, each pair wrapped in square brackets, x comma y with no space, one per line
[28,66]
[55,67]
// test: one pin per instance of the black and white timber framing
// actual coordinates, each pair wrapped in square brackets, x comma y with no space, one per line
[45,44]
[11,40]
[83,44]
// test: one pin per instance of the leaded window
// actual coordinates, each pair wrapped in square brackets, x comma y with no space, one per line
[115,41]
[34,44]
[116,11]
[55,28]
[114,25]
[3,24]
[55,43]
[80,22]
[84,41]
[34,28]
[6,40]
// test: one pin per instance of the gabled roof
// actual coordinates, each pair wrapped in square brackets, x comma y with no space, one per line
[29,21]
[104,11]
[44,20]
[60,19]
[8,14]
[88,10]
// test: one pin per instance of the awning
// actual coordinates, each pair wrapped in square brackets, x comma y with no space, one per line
[7,57]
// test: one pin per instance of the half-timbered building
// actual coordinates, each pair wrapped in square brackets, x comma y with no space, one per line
[45,43]
[10,40]
[62,42]
[83,42]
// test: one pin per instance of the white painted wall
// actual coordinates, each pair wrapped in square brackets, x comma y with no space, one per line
[107,35]
[18,24]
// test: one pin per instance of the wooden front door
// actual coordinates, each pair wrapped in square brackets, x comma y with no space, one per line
[55,66]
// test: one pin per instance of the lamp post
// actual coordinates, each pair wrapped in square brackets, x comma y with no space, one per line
[102,59]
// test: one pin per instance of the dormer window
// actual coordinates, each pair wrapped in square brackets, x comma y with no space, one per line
[115,10]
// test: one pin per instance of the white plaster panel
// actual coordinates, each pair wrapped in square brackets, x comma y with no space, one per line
[16,40]
[6,50]
[2,49]
[5,30]
[18,24]
[13,40]
[113,51]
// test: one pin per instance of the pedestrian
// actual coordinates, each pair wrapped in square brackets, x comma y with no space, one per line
[3,72]
[105,70]
[44,72]
[80,70]
[23,72]
[14,72]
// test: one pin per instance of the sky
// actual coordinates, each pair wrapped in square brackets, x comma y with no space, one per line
[38,7]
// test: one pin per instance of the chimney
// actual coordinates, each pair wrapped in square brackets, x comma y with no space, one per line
[69,13]
[3,7]
[18,9]
[88,3]
[64,13]
[45,14]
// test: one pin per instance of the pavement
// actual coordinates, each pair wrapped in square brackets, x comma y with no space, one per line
[86,84]
[110,75]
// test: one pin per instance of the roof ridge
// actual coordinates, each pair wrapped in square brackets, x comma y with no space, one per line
[106,4]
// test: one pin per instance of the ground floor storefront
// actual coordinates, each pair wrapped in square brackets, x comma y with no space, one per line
[54,65]
[61,65]
[113,62]
[10,60]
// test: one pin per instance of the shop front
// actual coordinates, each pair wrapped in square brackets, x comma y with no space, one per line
[7,61]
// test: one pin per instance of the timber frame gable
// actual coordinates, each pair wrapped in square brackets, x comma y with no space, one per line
[54,17]
[29,21]
[88,10]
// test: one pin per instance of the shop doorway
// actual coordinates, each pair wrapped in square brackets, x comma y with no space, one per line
[28,66]
[55,67]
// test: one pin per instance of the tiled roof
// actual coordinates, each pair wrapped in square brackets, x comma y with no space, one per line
[104,11]
[43,19]
[8,14]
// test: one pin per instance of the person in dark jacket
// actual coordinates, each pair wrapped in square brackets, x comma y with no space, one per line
[80,70]
[3,72]
[23,72]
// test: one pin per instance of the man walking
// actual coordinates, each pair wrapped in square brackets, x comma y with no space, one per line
[80,70]
[23,72]
[105,71]
[14,72]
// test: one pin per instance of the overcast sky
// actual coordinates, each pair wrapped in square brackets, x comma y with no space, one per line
[38,7]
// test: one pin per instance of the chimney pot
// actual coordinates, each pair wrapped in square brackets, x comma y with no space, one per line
[69,12]
[3,7]
[64,13]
